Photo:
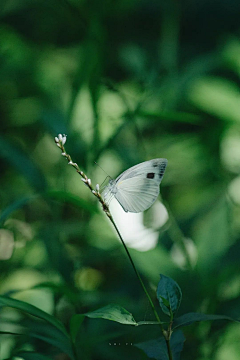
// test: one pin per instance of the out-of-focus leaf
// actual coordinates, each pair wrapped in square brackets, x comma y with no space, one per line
[57,252]
[43,331]
[157,348]
[75,324]
[30,355]
[169,295]
[171,116]
[217,96]
[64,196]
[32,310]
[114,313]
[212,236]
[50,335]
[57,195]
[21,161]
[190,318]
[15,206]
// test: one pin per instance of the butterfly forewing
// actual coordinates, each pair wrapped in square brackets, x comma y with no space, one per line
[137,195]
[154,166]
[137,188]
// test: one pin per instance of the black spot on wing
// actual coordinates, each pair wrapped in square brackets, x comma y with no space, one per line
[162,170]
[150,175]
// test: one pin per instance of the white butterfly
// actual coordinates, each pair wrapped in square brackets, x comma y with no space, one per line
[137,188]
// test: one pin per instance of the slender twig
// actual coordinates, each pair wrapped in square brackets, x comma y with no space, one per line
[60,141]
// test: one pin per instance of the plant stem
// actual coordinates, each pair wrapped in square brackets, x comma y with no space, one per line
[169,349]
[136,271]
[167,334]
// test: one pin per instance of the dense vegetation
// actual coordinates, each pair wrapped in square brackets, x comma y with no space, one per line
[127,81]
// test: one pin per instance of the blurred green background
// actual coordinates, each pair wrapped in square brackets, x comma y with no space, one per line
[127,81]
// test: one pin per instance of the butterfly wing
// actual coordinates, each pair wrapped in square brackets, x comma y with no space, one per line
[137,194]
[137,188]
[154,166]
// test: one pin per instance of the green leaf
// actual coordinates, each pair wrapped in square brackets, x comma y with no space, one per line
[217,96]
[169,295]
[45,332]
[71,199]
[75,324]
[190,318]
[22,162]
[15,206]
[114,313]
[157,348]
[32,310]
[51,335]
[213,225]
[57,195]
[30,355]
[175,116]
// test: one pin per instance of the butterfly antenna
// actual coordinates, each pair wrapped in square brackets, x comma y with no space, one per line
[102,169]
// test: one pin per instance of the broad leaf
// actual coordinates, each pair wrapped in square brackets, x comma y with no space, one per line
[75,324]
[157,348]
[190,318]
[113,313]
[169,295]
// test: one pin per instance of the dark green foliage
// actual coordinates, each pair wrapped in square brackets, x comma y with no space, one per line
[127,81]
[169,295]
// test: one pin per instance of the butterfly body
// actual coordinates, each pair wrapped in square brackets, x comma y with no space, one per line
[137,188]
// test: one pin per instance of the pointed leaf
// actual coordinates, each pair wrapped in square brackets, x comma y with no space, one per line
[114,313]
[169,295]
[32,310]
[51,335]
[190,318]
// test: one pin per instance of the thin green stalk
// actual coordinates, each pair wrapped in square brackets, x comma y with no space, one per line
[135,269]
[166,334]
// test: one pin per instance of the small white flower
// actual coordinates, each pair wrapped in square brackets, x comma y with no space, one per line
[70,162]
[60,137]
[94,192]
[84,180]
[81,173]
[56,139]
[63,154]
[58,144]
[64,139]
[89,182]
[97,187]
